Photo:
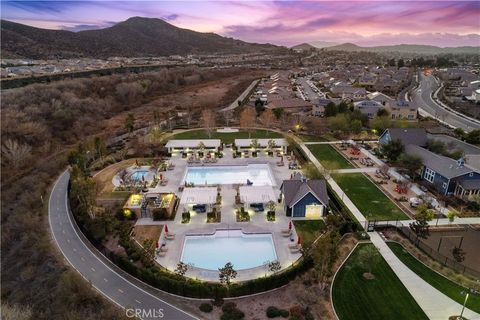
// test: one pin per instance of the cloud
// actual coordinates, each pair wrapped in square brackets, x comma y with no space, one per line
[171,17]
[83,27]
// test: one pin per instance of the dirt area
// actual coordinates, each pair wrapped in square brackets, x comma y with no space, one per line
[301,291]
[420,255]
[104,177]
[142,233]
[212,94]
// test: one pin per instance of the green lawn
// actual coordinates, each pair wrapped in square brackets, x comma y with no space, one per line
[384,297]
[309,230]
[227,137]
[329,157]
[309,138]
[370,200]
[449,288]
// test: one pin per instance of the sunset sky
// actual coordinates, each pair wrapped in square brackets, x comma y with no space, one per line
[442,23]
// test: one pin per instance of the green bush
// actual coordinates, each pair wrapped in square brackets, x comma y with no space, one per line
[228,307]
[186,217]
[273,312]
[206,307]
[231,312]
[271,216]
[160,214]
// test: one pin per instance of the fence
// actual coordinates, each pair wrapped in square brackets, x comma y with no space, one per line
[431,252]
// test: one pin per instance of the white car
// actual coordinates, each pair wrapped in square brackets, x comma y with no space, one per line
[415,202]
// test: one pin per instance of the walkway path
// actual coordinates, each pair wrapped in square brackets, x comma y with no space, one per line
[434,303]
[355,170]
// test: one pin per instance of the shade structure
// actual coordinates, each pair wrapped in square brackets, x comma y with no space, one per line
[194,143]
[256,194]
[263,143]
[199,195]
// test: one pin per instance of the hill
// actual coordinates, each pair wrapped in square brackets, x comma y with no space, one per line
[134,37]
[405,48]
[302,47]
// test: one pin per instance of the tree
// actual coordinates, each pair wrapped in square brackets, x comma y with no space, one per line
[451,216]
[181,269]
[369,257]
[267,118]
[271,205]
[420,226]
[278,112]
[436,146]
[16,153]
[458,254]
[393,149]
[381,123]
[473,137]
[324,254]
[208,121]
[247,119]
[382,113]
[460,133]
[255,144]
[343,107]
[100,147]
[227,273]
[400,63]
[130,122]
[339,123]
[259,106]
[331,110]
[411,163]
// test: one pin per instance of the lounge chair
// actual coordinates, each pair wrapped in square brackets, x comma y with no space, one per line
[286,235]
[163,249]
[286,231]
[169,236]
[162,253]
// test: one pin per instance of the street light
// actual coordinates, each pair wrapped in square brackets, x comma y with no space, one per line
[464,303]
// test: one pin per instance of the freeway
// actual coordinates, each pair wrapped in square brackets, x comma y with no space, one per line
[125,292]
[422,96]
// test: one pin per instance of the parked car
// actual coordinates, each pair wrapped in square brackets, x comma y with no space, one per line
[415,202]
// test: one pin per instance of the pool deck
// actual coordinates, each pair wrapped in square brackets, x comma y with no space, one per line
[258,222]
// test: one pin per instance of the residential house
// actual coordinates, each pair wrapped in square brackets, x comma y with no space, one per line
[380,97]
[305,199]
[414,136]
[318,109]
[368,107]
[402,109]
[447,176]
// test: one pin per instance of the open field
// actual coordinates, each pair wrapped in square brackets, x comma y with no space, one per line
[329,157]
[373,204]
[226,137]
[309,230]
[144,232]
[384,297]
[438,281]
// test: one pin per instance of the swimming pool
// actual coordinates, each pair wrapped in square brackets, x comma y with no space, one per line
[137,175]
[259,174]
[244,251]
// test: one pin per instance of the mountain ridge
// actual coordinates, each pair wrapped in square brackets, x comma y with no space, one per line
[136,36]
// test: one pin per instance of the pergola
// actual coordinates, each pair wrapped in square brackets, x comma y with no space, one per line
[183,145]
[256,194]
[279,143]
[199,195]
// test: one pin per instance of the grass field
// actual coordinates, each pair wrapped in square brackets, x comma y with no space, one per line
[329,157]
[309,230]
[373,204]
[227,137]
[449,288]
[384,297]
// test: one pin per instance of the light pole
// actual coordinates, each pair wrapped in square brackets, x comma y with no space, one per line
[464,303]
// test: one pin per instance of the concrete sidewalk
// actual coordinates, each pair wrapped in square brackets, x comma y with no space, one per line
[435,304]
[355,170]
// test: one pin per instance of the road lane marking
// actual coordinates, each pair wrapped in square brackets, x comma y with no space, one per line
[137,301]
[104,279]
[82,258]
[120,290]
[92,269]
[74,250]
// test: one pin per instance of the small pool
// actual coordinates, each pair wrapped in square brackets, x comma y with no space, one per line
[137,175]
[259,174]
[244,251]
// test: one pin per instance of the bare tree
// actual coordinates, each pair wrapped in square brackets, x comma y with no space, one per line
[208,121]
[247,119]
[268,118]
[15,152]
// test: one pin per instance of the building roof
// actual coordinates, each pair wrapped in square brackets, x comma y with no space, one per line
[415,136]
[289,103]
[280,142]
[378,96]
[470,184]
[294,190]
[447,167]
[257,194]
[199,195]
[209,143]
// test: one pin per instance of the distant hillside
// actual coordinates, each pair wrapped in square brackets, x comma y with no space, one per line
[134,37]
[323,44]
[406,48]
[302,47]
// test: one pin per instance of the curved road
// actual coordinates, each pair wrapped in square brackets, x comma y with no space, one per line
[422,97]
[101,273]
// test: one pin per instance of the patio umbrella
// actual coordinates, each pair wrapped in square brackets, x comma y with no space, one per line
[156,244]
[166,229]
[290,225]
[161,176]
[298,240]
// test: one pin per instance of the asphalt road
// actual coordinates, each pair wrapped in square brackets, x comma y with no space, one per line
[422,96]
[99,273]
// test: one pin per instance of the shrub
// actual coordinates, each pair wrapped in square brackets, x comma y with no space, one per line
[273,312]
[186,217]
[206,307]
[231,312]
[160,214]
[228,307]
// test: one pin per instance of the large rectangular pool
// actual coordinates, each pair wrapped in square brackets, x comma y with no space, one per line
[259,174]
[244,251]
